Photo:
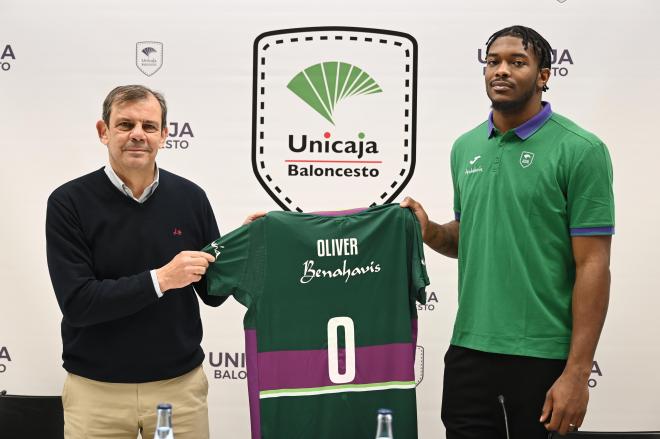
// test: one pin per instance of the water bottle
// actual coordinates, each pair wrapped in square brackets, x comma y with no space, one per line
[164,422]
[384,430]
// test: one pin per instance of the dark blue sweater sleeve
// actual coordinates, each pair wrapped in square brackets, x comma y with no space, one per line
[211,233]
[84,299]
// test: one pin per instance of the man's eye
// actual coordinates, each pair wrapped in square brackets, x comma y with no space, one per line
[518,63]
[491,62]
[125,126]
[150,128]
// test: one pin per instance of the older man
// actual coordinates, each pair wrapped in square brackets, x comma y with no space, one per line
[121,245]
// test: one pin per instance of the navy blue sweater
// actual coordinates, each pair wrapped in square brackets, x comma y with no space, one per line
[101,246]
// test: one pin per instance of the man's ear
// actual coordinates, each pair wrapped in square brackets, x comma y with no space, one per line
[102,130]
[544,77]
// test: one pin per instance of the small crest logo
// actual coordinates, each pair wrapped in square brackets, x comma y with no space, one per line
[334,108]
[149,56]
[526,159]
[177,232]
[561,1]
[419,365]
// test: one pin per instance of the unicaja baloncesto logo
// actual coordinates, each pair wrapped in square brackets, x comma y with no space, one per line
[333,116]
[322,87]
[149,56]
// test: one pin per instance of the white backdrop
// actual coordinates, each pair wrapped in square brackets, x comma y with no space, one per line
[59,59]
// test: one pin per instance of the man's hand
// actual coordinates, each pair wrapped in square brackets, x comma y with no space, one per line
[441,238]
[185,268]
[565,403]
[420,213]
[253,216]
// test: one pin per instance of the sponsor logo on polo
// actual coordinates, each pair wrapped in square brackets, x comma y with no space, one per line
[180,136]
[560,61]
[526,159]
[473,167]
[149,56]
[4,358]
[333,107]
[6,57]
[228,365]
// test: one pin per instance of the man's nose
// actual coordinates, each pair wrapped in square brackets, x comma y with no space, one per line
[503,69]
[137,133]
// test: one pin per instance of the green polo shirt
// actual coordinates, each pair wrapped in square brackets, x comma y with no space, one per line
[519,197]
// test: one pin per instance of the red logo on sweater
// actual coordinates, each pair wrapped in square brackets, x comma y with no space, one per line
[177,232]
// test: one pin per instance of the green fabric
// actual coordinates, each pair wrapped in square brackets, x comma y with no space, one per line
[266,265]
[270,283]
[519,202]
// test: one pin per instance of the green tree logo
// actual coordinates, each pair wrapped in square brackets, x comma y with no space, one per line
[323,85]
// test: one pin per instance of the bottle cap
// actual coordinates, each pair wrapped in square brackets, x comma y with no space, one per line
[384,411]
[164,406]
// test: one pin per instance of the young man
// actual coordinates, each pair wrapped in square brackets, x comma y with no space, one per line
[534,216]
[121,246]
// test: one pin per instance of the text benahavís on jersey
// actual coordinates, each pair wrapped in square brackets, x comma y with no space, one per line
[336,247]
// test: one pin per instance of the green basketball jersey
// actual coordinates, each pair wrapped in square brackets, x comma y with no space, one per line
[331,319]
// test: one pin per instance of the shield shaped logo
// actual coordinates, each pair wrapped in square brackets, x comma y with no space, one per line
[149,56]
[419,365]
[526,159]
[334,113]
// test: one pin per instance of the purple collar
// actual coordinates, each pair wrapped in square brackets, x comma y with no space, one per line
[528,128]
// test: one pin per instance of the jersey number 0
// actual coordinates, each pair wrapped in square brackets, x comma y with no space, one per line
[333,350]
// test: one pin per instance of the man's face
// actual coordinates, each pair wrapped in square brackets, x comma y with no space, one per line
[512,74]
[134,134]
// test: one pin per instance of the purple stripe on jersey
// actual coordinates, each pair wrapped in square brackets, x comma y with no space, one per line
[340,212]
[414,335]
[253,381]
[592,231]
[309,368]
[457,216]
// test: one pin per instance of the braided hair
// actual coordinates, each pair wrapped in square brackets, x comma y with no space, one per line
[529,36]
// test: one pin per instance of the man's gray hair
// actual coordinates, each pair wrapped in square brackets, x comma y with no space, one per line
[132,93]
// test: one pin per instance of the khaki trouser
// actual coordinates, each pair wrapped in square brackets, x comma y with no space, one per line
[95,409]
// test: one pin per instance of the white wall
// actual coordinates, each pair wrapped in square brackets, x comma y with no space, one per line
[69,54]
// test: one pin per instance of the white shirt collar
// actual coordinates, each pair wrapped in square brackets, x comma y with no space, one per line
[119,184]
